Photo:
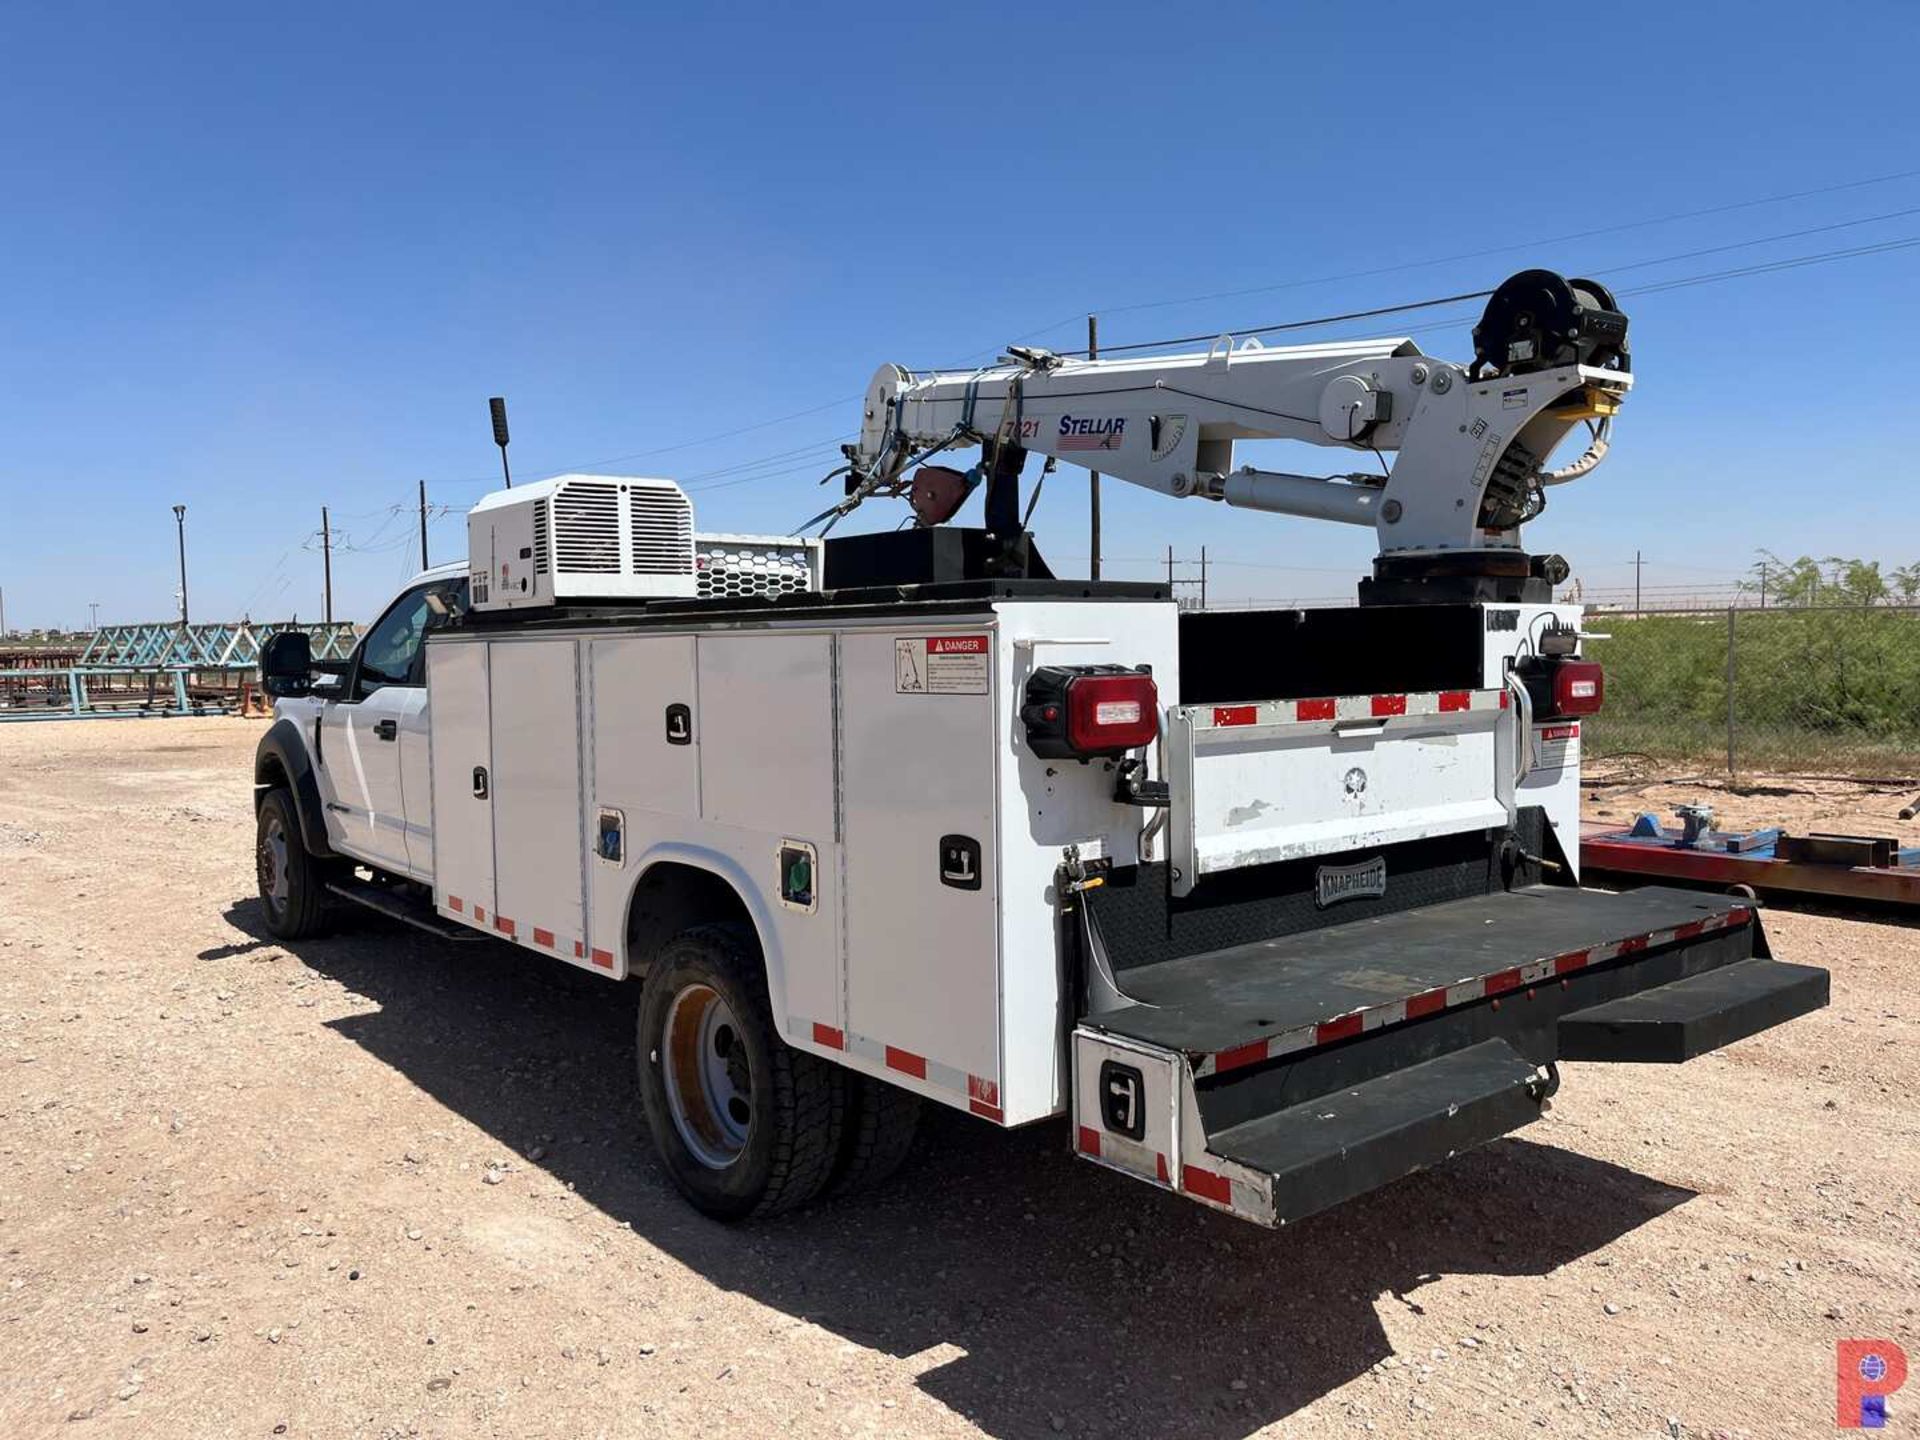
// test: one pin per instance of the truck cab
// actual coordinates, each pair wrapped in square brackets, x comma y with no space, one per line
[359,733]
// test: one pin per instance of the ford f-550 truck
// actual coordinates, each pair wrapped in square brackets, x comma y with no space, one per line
[1273,906]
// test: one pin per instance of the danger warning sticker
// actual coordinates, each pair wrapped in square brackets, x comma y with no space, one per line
[1556,746]
[940,664]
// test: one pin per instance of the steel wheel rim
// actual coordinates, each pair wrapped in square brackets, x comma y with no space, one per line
[709,1083]
[271,858]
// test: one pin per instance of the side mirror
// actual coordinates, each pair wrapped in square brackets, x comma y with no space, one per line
[286,664]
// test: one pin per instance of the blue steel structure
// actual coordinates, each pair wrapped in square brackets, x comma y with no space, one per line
[154,669]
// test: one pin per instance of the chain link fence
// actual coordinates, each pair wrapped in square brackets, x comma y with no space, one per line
[1803,690]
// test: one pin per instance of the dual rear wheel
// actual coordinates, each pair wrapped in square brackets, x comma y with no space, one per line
[745,1124]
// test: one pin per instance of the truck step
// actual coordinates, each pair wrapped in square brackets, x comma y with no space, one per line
[399,907]
[1674,1022]
[1329,1149]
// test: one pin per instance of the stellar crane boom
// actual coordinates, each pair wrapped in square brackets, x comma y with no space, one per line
[1470,441]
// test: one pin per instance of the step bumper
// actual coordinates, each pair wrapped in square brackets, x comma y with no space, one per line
[1673,1023]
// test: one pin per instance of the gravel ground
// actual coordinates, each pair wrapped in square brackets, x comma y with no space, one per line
[381,1184]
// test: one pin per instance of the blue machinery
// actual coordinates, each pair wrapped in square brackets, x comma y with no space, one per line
[150,669]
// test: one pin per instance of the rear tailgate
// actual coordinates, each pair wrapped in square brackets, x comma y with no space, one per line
[1252,784]
[1274,1077]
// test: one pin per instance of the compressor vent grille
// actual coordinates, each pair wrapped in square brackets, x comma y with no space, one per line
[542,546]
[662,532]
[586,522]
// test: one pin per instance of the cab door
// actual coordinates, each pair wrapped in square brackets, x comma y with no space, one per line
[384,694]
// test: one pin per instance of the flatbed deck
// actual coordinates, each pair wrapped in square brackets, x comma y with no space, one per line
[1250,1002]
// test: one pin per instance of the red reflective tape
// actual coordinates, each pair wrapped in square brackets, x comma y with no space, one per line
[1739,915]
[1504,700]
[983,1090]
[1504,981]
[1389,705]
[579,951]
[1575,960]
[1456,700]
[826,1035]
[455,903]
[1160,1168]
[990,1112]
[479,915]
[1341,1029]
[1235,714]
[543,937]
[503,925]
[1206,1184]
[1313,709]
[906,1062]
[1690,930]
[1089,1141]
[1428,1002]
[1251,1053]
[1637,943]
[603,958]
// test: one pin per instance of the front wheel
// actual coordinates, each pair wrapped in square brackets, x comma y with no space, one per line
[745,1125]
[291,889]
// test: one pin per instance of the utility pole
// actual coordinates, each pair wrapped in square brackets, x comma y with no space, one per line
[423,524]
[1763,584]
[3,613]
[1636,584]
[1093,494]
[180,523]
[326,562]
[94,606]
[1203,577]
[1169,572]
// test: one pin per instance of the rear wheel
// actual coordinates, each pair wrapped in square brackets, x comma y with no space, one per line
[882,1121]
[745,1125]
[292,892]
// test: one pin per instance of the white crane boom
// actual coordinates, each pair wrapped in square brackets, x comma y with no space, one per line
[1470,441]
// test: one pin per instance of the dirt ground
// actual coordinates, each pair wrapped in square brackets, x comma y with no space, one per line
[243,1193]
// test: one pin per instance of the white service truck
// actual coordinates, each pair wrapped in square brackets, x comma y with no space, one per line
[1275,906]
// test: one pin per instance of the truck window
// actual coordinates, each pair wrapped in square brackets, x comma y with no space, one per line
[391,654]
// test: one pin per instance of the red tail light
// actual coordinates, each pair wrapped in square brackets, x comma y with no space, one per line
[1560,687]
[1579,687]
[1076,712]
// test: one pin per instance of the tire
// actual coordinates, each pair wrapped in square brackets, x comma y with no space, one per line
[882,1121]
[745,1125]
[292,890]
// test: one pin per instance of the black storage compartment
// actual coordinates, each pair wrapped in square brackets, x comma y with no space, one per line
[1235,655]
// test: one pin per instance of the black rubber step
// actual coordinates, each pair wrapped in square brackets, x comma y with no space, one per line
[1674,1022]
[419,914]
[1332,1148]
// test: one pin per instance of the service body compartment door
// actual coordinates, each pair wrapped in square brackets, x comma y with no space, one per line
[538,836]
[767,771]
[1285,779]
[644,733]
[923,981]
[461,740]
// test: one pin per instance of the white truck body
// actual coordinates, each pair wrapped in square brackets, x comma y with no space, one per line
[1279,906]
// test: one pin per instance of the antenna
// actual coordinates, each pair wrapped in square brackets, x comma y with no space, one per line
[498,405]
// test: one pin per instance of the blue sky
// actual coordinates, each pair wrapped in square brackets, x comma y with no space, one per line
[255,259]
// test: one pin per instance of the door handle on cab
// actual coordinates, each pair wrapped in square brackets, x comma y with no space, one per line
[387,729]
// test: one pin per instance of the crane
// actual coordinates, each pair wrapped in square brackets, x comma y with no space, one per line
[1470,441]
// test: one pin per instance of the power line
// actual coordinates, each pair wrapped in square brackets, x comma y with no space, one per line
[1348,317]
[1621,228]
